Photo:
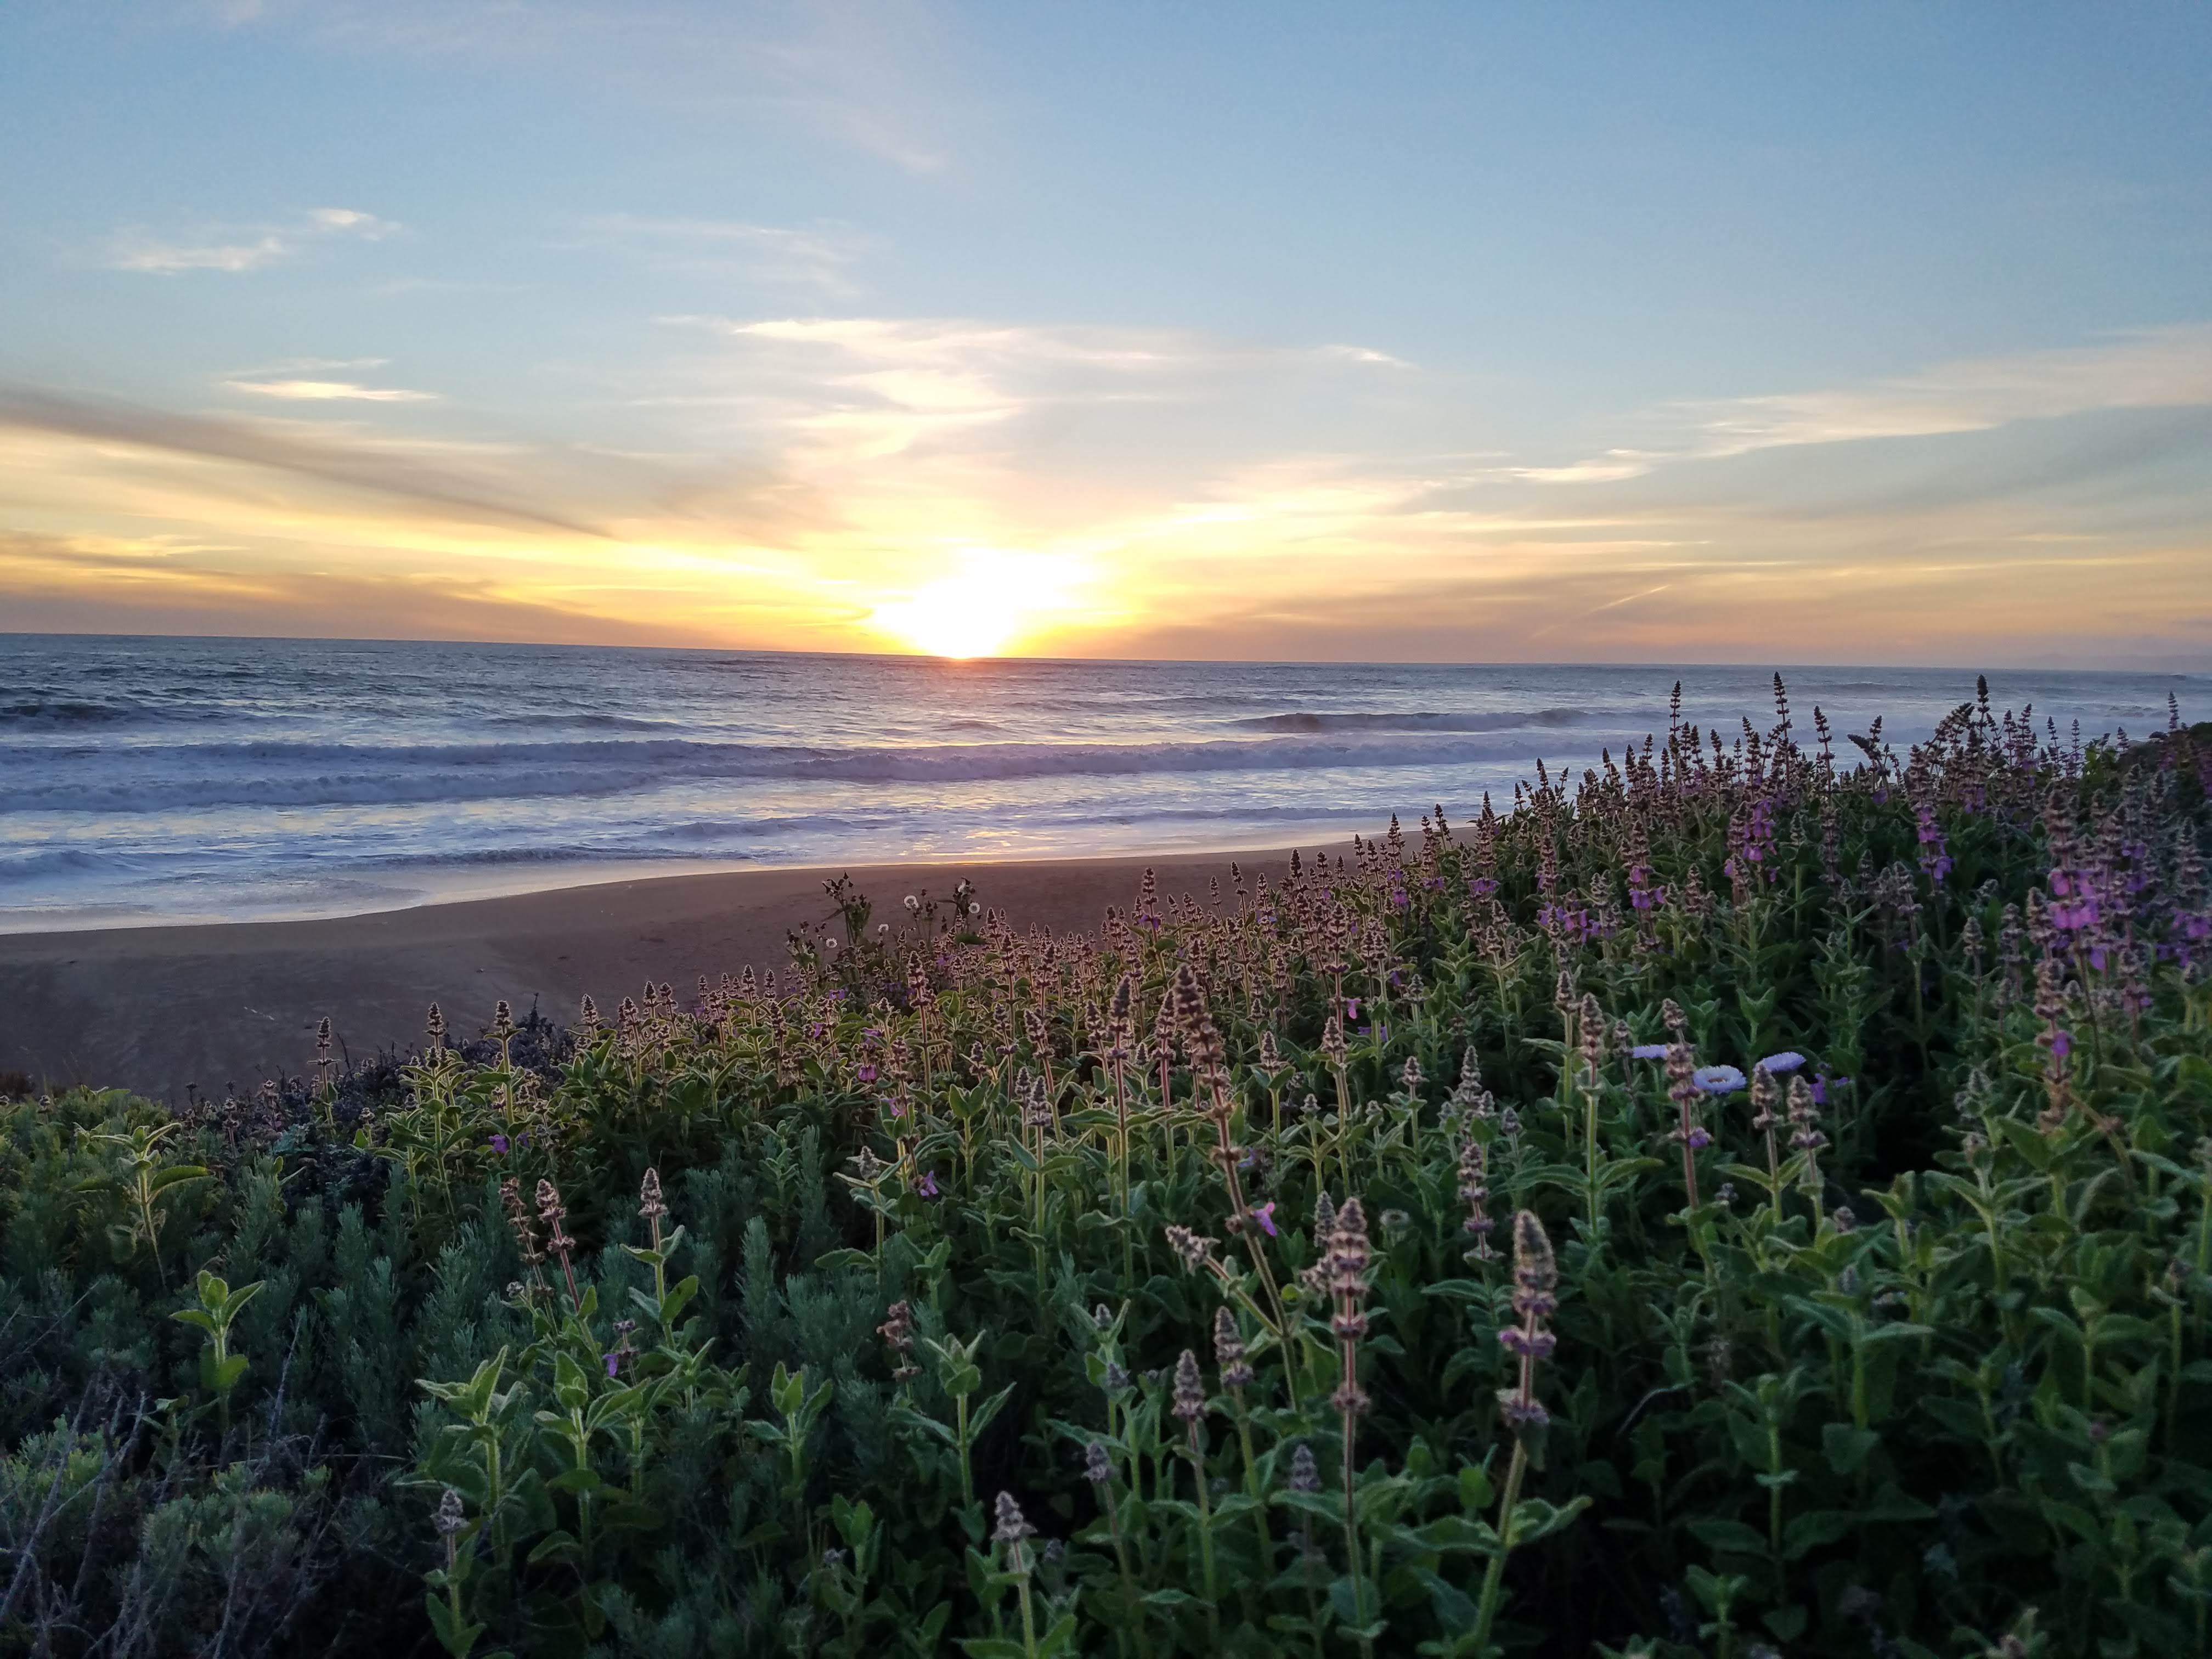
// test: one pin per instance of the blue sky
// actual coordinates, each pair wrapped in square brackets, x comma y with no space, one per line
[1446,331]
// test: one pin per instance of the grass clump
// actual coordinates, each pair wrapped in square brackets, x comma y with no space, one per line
[1756,1201]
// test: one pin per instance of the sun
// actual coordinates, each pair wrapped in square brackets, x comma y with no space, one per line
[958,616]
[979,610]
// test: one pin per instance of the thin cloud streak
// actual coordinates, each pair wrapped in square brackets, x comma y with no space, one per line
[821,258]
[256,248]
[2166,368]
[329,391]
[328,459]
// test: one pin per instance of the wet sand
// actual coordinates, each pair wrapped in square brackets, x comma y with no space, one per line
[152,1009]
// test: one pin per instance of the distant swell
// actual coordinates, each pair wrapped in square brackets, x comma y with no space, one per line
[1511,721]
[41,713]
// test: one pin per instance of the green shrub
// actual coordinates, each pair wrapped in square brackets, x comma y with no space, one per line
[1743,1203]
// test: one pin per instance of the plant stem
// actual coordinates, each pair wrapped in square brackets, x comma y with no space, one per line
[1486,1609]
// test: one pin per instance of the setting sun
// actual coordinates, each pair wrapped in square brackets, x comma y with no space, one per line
[980,609]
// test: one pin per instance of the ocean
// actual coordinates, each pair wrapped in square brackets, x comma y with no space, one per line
[169,780]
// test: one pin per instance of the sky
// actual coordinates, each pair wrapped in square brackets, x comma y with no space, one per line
[1873,333]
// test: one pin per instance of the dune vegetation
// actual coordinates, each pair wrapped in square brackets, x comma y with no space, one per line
[1756,1198]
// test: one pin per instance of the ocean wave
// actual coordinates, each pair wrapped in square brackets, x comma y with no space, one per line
[45,863]
[581,720]
[306,774]
[1396,720]
[472,858]
[67,714]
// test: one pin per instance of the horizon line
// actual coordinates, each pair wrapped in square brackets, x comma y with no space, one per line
[2160,668]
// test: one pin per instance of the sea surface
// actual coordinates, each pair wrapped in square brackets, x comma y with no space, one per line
[145,779]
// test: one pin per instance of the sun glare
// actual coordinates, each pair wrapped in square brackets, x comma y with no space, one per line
[980,609]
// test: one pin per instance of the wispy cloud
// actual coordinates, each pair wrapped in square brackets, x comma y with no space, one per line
[879,385]
[821,258]
[869,387]
[1359,353]
[1610,467]
[239,249]
[348,460]
[329,391]
[2151,369]
[2166,368]
[162,585]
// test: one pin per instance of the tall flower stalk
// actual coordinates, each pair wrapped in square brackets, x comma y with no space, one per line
[1530,1341]
[1345,1265]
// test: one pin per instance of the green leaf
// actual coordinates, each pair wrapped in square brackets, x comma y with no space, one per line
[980,1418]
[1452,1535]
[1534,1520]
[1811,1530]
[2090,1479]
[1474,1491]
[238,1299]
[455,1637]
[555,1546]
[1787,1623]
[1897,1331]
[1893,1503]
[1730,1537]
[1845,1447]
[2028,1141]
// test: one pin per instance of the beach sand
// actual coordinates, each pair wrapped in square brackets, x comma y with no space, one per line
[226,1004]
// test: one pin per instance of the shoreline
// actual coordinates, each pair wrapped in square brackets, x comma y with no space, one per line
[226,1004]
[570,875]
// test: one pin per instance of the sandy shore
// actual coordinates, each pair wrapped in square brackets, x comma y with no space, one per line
[155,1008]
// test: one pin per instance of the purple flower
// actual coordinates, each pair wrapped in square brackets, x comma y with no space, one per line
[929,1188]
[1648,1051]
[1781,1065]
[1717,1079]
[499,1144]
[613,1363]
[1351,1007]
[867,1073]
[1265,1215]
[1700,1140]
[2062,1044]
